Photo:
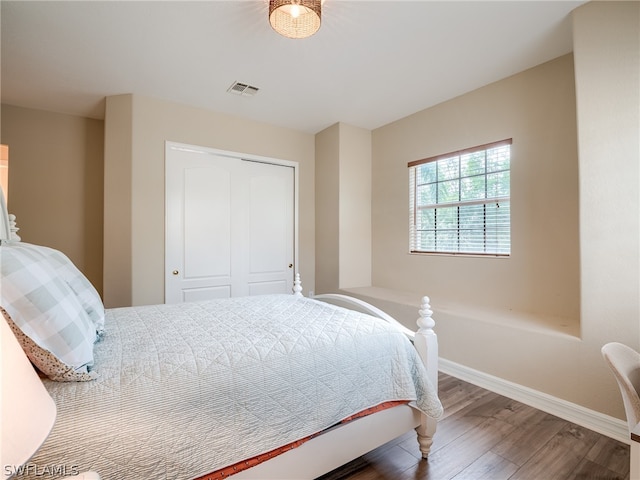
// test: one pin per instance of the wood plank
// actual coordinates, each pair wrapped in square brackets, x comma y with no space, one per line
[456,425]
[588,470]
[487,436]
[560,457]
[468,447]
[611,455]
[537,431]
[456,394]
[488,467]
[391,462]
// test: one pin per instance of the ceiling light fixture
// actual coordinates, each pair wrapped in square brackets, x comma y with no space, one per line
[295,18]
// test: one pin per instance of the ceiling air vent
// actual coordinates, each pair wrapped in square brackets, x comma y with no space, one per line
[243,89]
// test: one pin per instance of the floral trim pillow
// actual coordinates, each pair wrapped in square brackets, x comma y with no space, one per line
[49,364]
[45,309]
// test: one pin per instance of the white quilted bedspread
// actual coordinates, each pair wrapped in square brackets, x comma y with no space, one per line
[187,389]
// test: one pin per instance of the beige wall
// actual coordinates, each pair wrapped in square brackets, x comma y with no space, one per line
[343,208]
[56,164]
[515,318]
[355,207]
[539,318]
[118,197]
[607,57]
[537,109]
[327,181]
[139,258]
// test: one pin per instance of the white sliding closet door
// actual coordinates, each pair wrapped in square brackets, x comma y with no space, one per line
[230,226]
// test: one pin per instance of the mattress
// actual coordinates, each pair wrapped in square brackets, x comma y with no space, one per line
[187,389]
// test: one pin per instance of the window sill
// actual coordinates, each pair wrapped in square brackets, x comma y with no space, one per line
[548,324]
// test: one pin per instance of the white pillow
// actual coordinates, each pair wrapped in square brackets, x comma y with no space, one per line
[85,291]
[47,311]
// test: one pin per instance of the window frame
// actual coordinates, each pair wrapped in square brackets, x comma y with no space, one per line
[414,208]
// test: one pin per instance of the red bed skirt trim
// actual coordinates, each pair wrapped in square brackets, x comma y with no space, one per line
[252,462]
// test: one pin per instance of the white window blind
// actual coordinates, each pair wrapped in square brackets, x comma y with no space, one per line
[460,202]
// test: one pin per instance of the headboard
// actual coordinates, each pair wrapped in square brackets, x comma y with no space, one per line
[5,228]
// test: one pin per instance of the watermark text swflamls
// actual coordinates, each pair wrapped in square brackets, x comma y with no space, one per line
[34,469]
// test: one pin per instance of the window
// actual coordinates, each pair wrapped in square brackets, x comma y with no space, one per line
[459,202]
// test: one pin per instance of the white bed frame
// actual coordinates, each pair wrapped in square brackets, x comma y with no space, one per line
[346,442]
[343,443]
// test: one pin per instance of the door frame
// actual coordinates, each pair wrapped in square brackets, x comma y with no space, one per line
[170,145]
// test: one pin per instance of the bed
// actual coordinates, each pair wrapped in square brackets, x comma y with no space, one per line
[271,386]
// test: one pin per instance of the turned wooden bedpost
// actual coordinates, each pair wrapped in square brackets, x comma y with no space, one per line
[426,342]
[297,286]
[13,228]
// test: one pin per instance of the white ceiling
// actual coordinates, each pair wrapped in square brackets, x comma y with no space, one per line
[371,62]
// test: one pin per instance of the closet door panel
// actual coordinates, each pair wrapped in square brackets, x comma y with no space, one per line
[270,228]
[230,226]
[207,222]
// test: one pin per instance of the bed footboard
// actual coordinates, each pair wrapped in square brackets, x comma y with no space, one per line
[425,341]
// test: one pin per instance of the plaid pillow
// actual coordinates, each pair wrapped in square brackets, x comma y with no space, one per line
[81,286]
[47,311]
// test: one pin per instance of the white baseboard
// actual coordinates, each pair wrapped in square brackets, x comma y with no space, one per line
[596,421]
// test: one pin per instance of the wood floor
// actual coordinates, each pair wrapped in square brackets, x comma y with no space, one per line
[486,436]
